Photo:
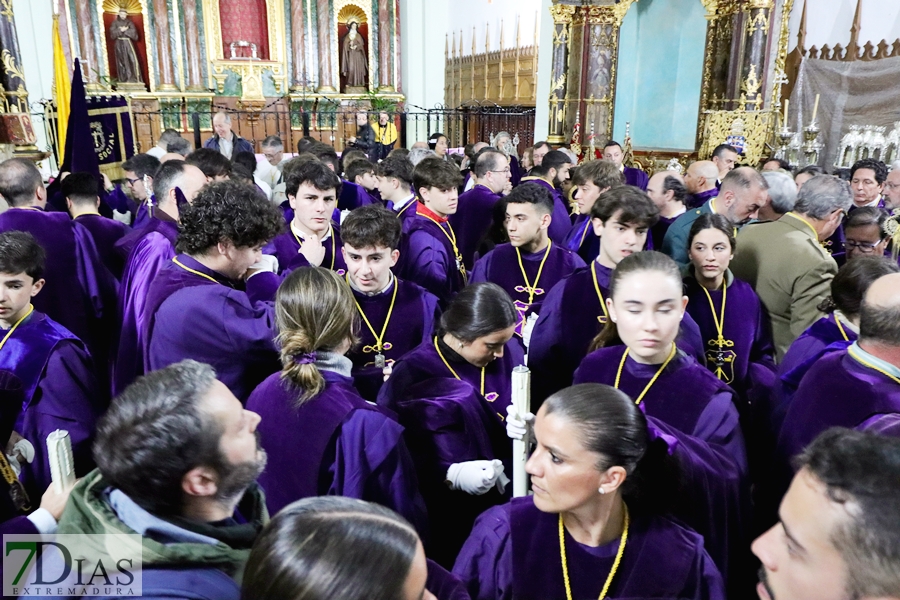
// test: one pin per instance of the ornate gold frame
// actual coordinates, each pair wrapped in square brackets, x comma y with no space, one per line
[249,70]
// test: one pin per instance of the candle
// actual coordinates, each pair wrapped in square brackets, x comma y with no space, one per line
[815,109]
[787,103]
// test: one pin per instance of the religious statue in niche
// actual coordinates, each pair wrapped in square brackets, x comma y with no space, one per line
[125,33]
[354,65]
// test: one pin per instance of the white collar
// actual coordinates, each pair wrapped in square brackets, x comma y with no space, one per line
[399,205]
[370,294]
[302,235]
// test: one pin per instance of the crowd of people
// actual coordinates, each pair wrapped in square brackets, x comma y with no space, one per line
[330,340]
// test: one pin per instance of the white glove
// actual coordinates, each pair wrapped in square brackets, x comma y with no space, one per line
[344,214]
[517,426]
[268,262]
[25,449]
[477,477]
[14,464]
[122,217]
[527,328]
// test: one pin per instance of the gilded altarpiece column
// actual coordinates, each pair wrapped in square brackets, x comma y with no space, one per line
[591,76]
[755,31]
[562,22]
[12,77]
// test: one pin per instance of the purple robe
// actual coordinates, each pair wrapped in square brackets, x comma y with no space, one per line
[334,444]
[59,391]
[105,233]
[450,421]
[838,391]
[750,363]
[582,239]
[501,266]
[699,199]
[514,552]
[693,401]
[354,195]
[286,248]
[658,231]
[636,177]
[560,222]
[150,249]
[79,293]
[430,260]
[406,213]
[443,584]
[571,317]
[473,218]
[188,316]
[413,318]
[516,172]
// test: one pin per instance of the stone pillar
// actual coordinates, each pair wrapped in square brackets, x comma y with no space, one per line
[85,26]
[194,74]
[562,23]
[165,71]
[299,75]
[326,72]
[12,77]
[385,63]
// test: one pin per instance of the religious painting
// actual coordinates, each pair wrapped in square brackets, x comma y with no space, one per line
[123,25]
[353,56]
[245,29]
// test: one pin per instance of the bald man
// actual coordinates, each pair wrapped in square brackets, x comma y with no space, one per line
[170,156]
[743,193]
[852,388]
[225,141]
[700,181]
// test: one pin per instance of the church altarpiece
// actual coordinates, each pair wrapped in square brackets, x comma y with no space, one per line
[267,61]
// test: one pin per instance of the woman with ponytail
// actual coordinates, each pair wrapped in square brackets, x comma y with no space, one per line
[596,525]
[646,304]
[322,438]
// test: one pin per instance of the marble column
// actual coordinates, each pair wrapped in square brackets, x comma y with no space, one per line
[194,73]
[299,76]
[721,17]
[89,63]
[12,77]
[165,71]
[562,23]
[385,64]
[326,70]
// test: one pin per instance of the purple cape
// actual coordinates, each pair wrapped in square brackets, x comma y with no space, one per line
[582,239]
[750,363]
[838,391]
[472,220]
[701,198]
[60,391]
[189,316]
[562,335]
[150,249]
[514,552]
[412,323]
[430,261]
[334,444]
[449,421]
[105,233]
[636,177]
[501,266]
[560,222]
[353,196]
[79,292]
[658,231]
[286,248]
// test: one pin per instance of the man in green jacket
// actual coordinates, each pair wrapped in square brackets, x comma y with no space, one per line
[178,459]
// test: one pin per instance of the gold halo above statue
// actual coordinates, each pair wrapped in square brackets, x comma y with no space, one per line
[352,14]
[132,7]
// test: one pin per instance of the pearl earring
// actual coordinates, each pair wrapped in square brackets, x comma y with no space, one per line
[601,490]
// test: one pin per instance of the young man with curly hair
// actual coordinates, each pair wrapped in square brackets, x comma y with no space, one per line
[199,305]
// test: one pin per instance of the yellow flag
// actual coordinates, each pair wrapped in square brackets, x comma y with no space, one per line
[62,87]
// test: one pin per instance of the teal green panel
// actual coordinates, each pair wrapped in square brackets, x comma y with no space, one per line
[660,71]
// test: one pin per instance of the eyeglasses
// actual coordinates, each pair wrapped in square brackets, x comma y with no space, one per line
[864,247]
[506,170]
[131,181]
